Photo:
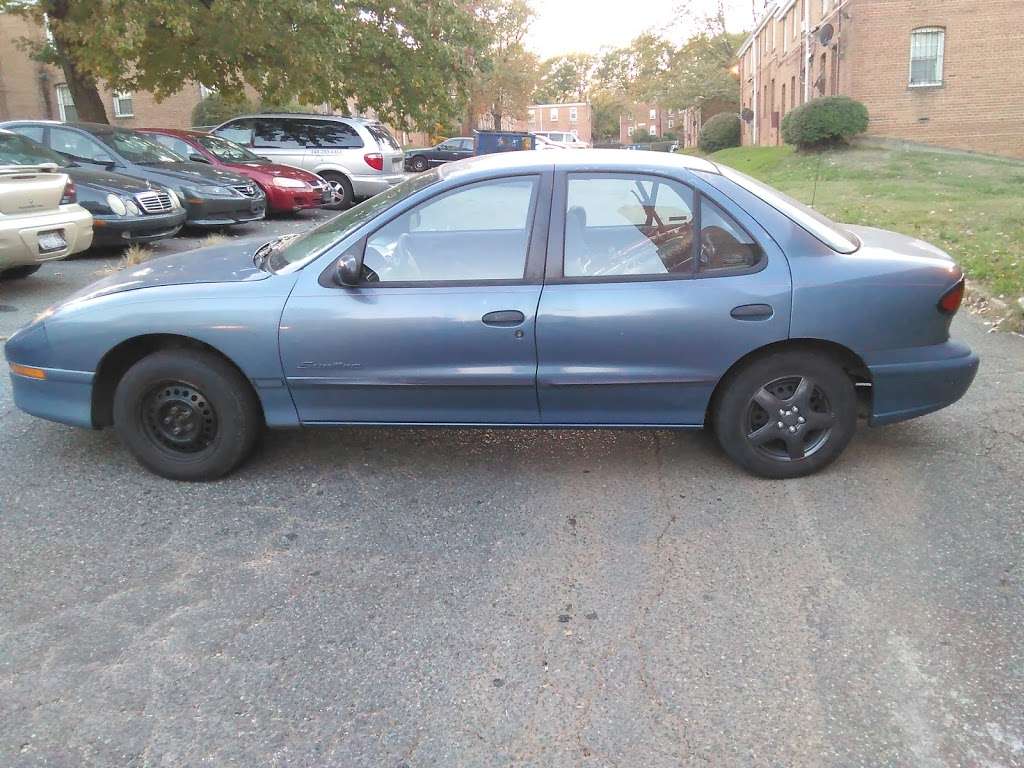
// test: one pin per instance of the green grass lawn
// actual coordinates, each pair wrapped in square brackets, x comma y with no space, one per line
[973,207]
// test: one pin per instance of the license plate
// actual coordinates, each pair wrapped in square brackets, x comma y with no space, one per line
[51,241]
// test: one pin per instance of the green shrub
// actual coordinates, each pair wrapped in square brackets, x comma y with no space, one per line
[720,132]
[215,109]
[824,122]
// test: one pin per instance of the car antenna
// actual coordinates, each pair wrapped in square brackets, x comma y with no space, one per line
[817,175]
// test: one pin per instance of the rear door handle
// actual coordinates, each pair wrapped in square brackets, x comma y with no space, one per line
[753,312]
[505,318]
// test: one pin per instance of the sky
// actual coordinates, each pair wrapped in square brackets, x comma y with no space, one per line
[568,26]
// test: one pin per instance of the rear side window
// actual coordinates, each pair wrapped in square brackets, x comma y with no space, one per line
[331,134]
[279,133]
[77,145]
[724,245]
[382,135]
[34,132]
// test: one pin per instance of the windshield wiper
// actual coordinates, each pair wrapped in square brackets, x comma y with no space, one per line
[261,255]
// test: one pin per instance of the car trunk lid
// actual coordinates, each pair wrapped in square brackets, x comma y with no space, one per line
[27,190]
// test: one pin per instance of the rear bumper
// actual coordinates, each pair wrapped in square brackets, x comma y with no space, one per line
[368,186]
[912,382]
[123,230]
[19,237]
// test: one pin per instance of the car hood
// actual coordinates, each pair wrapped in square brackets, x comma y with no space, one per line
[176,174]
[107,181]
[881,243]
[273,169]
[228,263]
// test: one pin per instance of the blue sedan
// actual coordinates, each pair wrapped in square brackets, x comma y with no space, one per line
[546,289]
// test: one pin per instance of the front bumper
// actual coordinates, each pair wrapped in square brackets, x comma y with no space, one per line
[287,200]
[64,396]
[912,382]
[368,186]
[19,236]
[123,230]
[222,211]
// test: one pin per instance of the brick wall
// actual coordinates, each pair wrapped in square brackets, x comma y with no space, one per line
[976,107]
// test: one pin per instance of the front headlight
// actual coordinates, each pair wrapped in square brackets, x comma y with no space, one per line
[116,204]
[133,209]
[175,200]
[216,191]
[286,183]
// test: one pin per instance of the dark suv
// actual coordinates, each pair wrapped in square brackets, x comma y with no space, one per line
[211,197]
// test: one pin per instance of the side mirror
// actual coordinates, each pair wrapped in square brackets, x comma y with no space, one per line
[197,158]
[347,270]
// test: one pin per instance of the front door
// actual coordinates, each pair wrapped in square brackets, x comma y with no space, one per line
[442,328]
[654,291]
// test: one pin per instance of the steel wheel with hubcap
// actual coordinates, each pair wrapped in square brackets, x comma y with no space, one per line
[341,190]
[786,414]
[419,164]
[179,418]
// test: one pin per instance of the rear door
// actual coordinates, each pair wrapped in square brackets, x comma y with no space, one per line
[281,139]
[656,286]
[442,328]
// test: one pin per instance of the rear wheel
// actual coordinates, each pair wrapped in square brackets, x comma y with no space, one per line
[187,414]
[418,164]
[341,190]
[16,273]
[787,414]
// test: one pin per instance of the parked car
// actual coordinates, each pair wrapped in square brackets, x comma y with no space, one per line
[287,188]
[560,289]
[567,139]
[124,210]
[212,197]
[458,148]
[357,157]
[39,217]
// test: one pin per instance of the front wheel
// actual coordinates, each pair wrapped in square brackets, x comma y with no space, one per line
[187,414]
[342,195]
[787,414]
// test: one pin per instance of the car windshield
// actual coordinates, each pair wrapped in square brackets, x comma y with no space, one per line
[228,151]
[302,250]
[18,150]
[822,227]
[137,148]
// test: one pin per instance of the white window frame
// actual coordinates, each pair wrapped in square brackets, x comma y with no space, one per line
[785,33]
[120,96]
[553,113]
[63,90]
[652,115]
[573,114]
[940,32]
[630,130]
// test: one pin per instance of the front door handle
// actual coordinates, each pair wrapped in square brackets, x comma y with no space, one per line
[505,318]
[753,312]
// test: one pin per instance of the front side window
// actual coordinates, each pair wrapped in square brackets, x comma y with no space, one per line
[66,105]
[123,105]
[627,224]
[228,151]
[927,46]
[473,233]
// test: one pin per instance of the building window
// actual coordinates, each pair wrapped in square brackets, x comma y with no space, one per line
[927,46]
[671,123]
[66,105]
[630,130]
[573,114]
[653,114]
[554,113]
[532,115]
[123,106]
[205,92]
[785,34]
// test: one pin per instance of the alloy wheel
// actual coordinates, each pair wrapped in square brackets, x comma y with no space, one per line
[789,419]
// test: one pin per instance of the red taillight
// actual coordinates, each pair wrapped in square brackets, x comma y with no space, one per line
[950,301]
[69,195]
[375,160]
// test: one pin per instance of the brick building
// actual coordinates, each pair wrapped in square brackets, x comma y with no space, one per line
[652,118]
[572,117]
[942,72]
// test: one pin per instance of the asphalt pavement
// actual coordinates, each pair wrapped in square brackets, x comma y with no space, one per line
[407,598]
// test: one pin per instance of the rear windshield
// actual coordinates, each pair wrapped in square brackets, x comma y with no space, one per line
[18,150]
[822,227]
[382,135]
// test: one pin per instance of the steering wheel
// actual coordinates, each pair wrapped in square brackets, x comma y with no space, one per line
[708,249]
[403,259]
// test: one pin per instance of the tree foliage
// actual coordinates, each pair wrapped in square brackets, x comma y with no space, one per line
[505,72]
[407,60]
[216,109]
[564,79]
[702,72]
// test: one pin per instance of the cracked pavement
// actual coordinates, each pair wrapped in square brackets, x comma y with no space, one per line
[524,597]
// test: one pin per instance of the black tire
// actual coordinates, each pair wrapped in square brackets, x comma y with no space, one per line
[201,395]
[419,164]
[808,393]
[16,273]
[341,190]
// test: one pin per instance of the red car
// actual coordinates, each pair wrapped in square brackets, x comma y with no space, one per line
[287,188]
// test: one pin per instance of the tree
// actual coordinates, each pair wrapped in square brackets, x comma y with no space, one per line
[606,107]
[639,71]
[405,59]
[216,109]
[702,72]
[506,73]
[564,78]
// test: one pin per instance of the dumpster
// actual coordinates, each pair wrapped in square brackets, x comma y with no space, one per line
[489,142]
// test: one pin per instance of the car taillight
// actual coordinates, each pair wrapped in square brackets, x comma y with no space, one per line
[950,301]
[375,160]
[69,195]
